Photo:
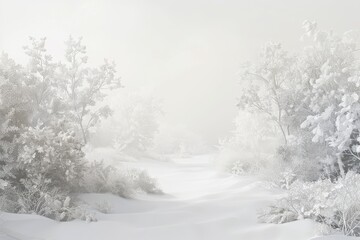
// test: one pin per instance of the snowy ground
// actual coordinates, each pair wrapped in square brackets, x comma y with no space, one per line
[199,203]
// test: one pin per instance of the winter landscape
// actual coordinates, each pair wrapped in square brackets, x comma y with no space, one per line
[181,120]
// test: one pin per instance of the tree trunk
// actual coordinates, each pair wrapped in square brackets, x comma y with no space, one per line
[83,133]
[341,165]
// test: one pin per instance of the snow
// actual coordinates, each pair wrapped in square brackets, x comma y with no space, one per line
[199,203]
[335,237]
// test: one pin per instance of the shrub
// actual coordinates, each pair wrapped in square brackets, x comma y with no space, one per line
[105,179]
[104,207]
[100,178]
[52,153]
[143,182]
[336,204]
[41,156]
[39,197]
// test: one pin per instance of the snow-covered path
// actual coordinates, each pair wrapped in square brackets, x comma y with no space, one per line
[199,203]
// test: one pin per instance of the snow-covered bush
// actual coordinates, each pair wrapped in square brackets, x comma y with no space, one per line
[142,181]
[53,154]
[106,179]
[39,197]
[287,178]
[42,199]
[47,111]
[101,178]
[332,203]
[104,207]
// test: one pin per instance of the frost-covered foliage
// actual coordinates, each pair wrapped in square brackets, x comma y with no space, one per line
[101,178]
[46,112]
[334,101]
[83,87]
[37,196]
[53,154]
[312,99]
[270,88]
[333,203]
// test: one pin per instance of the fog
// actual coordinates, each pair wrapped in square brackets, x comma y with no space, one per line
[187,52]
[213,119]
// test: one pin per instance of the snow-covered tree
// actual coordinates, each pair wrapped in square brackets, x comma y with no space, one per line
[14,113]
[331,71]
[312,97]
[83,87]
[270,87]
[41,83]
[43,106]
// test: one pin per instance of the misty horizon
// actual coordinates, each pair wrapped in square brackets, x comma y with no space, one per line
[181,120]
[193,49]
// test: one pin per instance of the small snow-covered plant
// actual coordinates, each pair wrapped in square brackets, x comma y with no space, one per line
[247,164]
[142,181]
[336,204]
[238,168]
[7,198]
[83,214]
[104,207]
[288,177]
[107,179]
[347,204]
[100,178]
[277,214]
[38,196]
[304,200]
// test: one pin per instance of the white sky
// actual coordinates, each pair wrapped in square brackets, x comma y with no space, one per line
[187,51]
